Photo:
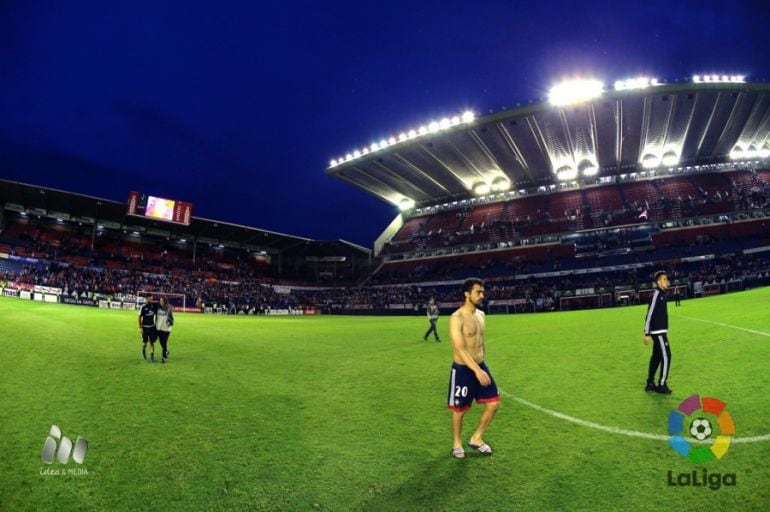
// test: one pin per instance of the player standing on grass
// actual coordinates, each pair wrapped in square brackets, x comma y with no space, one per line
[432,312]
[470,378]
[164,319]
[147,328]
[656,330]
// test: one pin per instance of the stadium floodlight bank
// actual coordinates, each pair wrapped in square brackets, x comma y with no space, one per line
[585,130]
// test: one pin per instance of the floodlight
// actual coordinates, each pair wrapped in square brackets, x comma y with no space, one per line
[405,204]
[566,173]
[481,188]
[501,184]
[587,168]
[670,159]
[575,91]
[641,82]
[650,161]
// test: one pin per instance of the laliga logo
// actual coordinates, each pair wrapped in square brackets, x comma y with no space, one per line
[711,414]
[700,428]
[65,448]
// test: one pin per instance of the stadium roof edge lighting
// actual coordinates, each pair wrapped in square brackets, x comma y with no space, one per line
[429,128]
[567,135]
[718,79]
[568,92]
[641,82]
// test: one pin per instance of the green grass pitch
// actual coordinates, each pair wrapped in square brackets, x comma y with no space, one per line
[347,413]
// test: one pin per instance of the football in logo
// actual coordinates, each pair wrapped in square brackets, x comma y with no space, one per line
[712,420]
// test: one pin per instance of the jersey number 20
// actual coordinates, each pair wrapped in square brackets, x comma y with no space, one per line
[461,391]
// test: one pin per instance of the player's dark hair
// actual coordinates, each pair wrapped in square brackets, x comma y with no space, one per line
[659,274]
[470,282]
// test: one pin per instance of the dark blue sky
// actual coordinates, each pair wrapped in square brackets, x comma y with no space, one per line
[237,107]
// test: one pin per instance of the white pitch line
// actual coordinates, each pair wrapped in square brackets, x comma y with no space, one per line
[622,431]
[755,439]
[761,333]
[585,423]
[618,430]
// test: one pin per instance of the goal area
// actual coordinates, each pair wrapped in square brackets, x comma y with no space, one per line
[177,300]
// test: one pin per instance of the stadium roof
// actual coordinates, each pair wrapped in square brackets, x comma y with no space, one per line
[640,124]
[68,206]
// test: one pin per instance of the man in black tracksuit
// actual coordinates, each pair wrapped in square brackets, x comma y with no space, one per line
[656,331]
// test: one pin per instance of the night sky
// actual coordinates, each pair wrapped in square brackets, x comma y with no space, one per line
[238,107]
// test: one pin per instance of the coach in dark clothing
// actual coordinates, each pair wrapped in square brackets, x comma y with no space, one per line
[656,331]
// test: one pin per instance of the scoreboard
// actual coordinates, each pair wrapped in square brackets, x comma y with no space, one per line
[159,208]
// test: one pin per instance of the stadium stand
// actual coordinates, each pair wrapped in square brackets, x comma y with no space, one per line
[669,199]
[537,250]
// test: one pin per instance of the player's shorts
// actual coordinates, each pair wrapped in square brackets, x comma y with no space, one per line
[149,334]
[464,387]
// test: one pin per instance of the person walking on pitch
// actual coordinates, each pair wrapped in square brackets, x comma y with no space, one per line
[470,377]
[432,312]
[164,319]
[147,328]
